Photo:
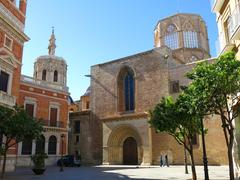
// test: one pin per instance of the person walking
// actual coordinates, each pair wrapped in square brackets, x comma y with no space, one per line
[166,161]
[161,161]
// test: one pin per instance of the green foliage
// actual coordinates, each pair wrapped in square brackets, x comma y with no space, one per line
[39,160]
[176,119]
[16,124]
[217,85]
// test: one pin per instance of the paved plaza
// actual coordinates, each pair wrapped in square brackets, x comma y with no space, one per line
[119,172]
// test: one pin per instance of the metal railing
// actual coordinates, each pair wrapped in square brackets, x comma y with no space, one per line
[49,123]
[45,84]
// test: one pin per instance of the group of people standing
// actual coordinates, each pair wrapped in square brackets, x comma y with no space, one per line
[165,162]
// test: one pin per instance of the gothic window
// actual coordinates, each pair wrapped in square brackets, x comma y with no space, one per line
[129,92]
[4,81]
[126,90]
[52,145]
[55,76]
[174,87]
[53,116]
[30,109]
[190,39]
[171,37]
[26,147]
[44,75]
[40,145]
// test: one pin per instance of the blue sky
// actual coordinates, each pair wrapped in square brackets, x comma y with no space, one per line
[89,32]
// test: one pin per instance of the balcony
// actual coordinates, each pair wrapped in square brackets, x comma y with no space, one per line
[234,25]
[223,45]
[54,124]
[44,84]
[7,99]
[216,5]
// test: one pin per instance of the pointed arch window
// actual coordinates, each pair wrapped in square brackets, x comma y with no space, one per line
[126,90]
[44,75]
[171,37]
[55,76]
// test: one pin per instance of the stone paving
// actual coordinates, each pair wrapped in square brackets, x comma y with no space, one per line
[119,173]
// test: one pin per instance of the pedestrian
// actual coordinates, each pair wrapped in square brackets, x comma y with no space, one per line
[161,161]
[166,161]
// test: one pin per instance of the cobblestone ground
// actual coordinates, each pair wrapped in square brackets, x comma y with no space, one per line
[119,172]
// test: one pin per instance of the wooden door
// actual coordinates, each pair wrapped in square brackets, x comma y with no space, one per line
[130,154]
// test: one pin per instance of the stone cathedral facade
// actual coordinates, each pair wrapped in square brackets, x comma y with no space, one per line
[123,90]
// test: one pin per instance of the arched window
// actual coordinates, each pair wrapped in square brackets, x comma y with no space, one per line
[52,145]
[126,90]
[44,75]
[171,37]
[26,147]
[55,76]
[190,39]
[40,145]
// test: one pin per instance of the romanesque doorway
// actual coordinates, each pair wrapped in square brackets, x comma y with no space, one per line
[130,153]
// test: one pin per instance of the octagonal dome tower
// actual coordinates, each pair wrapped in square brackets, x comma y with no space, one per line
[185,34]
[51,68]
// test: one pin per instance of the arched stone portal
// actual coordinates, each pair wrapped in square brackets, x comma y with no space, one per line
[124,136]
[130,153]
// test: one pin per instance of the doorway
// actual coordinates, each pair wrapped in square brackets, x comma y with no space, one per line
[130,152]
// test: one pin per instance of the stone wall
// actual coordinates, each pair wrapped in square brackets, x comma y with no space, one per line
[89,138]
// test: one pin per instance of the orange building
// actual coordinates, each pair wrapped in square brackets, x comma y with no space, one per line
[45,96]
[12,39]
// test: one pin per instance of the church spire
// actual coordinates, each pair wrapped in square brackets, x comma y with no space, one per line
[52,45]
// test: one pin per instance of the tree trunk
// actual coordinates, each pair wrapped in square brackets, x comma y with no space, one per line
[185,161]
[230,156]
[194,174]
[4,163]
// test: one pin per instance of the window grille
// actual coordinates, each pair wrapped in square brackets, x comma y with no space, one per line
[190,39]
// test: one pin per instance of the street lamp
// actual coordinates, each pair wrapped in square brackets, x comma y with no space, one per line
[62,137]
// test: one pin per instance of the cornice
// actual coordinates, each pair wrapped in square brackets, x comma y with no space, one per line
[131,116]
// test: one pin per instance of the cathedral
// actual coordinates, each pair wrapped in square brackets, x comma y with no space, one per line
[122,91]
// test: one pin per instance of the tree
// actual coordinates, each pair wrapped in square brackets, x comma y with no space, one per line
[173,118]
[16,125]
[218,85]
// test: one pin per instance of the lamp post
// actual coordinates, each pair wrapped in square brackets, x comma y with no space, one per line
[62,137]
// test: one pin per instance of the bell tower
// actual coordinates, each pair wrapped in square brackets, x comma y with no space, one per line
[51,68]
